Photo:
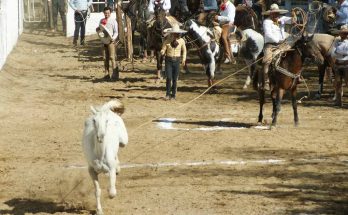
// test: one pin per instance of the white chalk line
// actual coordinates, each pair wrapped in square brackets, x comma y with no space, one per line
[213,162]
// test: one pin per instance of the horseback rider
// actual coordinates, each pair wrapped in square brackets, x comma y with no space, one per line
[226,20]
[166,5]
[275,35]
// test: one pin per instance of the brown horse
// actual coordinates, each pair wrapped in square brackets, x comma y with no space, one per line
[155,35]
[286,74]
[246,18]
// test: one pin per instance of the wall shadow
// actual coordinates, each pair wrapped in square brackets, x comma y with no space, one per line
[34,206]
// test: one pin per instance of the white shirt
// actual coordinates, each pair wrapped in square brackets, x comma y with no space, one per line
[227,15]
[80,4]
[166,5]
[340,50]
[111,25]
[275,33]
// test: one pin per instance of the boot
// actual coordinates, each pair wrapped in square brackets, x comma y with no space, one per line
[115,74]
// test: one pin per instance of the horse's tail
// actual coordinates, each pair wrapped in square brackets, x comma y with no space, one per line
[115,106]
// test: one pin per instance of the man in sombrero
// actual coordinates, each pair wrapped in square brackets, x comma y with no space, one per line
[174,49]
[274,33]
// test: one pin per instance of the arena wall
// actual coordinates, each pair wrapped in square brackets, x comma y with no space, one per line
[92,22]
[11,26]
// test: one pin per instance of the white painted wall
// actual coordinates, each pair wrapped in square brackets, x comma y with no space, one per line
[92,22]
[11,26]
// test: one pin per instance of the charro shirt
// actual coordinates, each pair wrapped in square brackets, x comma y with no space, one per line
[170,51]
[166,5]
[111,25]
[274,32]
[340,50]
[227,15]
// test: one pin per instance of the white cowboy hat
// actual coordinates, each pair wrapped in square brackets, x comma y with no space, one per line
[104,34]
[275,9]
[174,29]
[343,29]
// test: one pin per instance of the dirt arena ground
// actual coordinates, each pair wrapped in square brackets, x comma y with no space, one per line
[47,87]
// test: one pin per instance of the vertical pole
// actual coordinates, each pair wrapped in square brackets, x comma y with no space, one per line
[119,20]
[129,38]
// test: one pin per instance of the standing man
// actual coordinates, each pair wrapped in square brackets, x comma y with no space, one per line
[342,13]
[81,10]
[174,49]
[274,30]
[226,20]
[59,6]
[109,26]
[340,53]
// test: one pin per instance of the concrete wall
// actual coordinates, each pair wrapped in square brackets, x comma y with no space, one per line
[92,22]
[11,26]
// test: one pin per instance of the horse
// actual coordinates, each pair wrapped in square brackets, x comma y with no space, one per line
[103,134]
[321,19]
[209,50]
[285,74]
[138,12]
[155,35]
[251,44]
[246,18]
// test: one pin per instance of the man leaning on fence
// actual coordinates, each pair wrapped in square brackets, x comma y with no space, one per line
[81,11]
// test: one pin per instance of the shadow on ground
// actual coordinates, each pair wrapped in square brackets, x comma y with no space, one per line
[35,206]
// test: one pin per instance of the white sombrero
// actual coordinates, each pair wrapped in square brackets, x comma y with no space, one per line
[104,34]
[343,29]
[275,9]
[174,29]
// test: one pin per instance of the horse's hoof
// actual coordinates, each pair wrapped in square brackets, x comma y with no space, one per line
[296,124]
[245,87]
[317,96]
[112,193]
[99,212]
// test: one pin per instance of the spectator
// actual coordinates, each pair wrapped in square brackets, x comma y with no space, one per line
[59,6]
[81,10]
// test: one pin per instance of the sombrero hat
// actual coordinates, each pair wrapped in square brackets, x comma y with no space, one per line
[104,34]
[175,29]
[343,29]
[275,9]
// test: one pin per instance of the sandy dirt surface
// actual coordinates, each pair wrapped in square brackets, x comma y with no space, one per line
[47,87]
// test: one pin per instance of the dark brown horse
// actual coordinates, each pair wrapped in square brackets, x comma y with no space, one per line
[286,74]
[246,18]
[155,36]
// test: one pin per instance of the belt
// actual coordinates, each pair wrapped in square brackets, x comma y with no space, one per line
[82,11]
[173,58]
[342,62]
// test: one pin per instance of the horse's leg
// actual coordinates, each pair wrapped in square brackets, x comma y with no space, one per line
[152,54]
[94,177]
[261,102]
[338,89]
[159,59]
[250,75]
[187,71]
[294,104]
[113,163]
[278,100]
[321,69]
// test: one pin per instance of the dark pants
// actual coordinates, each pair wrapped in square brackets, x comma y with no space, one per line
[172,68]
[59,6]
[80,25]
